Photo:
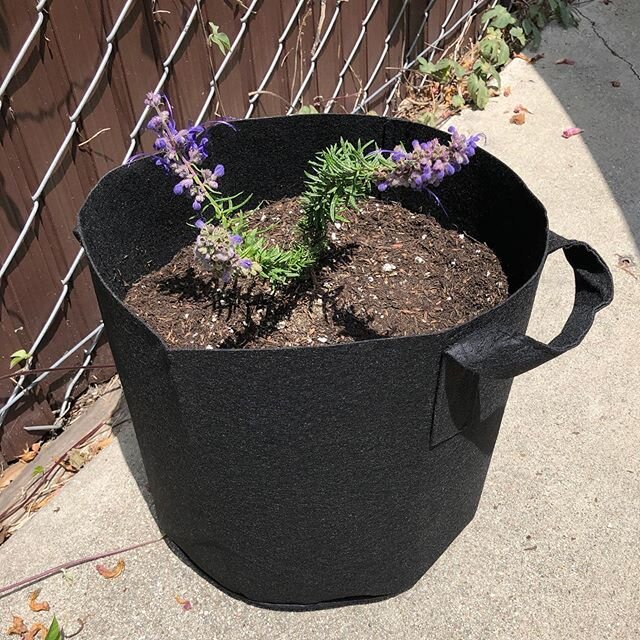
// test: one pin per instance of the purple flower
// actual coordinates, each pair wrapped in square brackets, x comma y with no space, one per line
[428,163]
[216,251]
[182,152]
[200,224]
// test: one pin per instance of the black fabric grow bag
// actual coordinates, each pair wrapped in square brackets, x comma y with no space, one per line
[318,476]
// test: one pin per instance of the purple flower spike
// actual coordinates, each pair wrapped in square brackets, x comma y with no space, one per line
[235,240]
[428,163]
[200,224]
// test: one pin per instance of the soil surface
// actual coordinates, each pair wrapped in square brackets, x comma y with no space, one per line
[389,272]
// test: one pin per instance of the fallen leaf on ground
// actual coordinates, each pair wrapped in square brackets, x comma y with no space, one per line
[75,460]
[571,131]
[18,627]
[615,83]
[11,473]
[519,108]
[111,573]
[54,632]
[37,628]
[518,118]
[507,92]
[186,605]
[566,61]
[530,60]
[29,454]
[37,606]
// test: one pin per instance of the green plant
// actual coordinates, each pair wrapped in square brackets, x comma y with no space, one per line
[18,357]
[494,51]
[307,110]
[220,39]
[442,71]
[338,178]
[534,16]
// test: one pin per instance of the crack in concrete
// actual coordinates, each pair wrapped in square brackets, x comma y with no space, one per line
[608,46]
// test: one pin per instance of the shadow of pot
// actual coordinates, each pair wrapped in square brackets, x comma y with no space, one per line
[310,477]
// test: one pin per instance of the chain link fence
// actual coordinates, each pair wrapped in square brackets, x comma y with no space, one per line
[73,80]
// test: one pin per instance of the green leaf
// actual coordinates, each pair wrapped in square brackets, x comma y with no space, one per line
[37,471]
[426,67]
[527,26]
[518,34]
[307,109]
[498,17]
[220,39]
[503,53]
[457,101]
[18,357]
[54,632]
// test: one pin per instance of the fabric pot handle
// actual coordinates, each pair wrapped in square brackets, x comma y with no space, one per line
[501,356]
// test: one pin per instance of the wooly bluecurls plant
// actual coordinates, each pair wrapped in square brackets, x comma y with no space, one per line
[338,179]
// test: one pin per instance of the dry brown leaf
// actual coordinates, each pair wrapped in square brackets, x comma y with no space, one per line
[522,57]
[186,605]
[11,473]
[18,627]
[537,57]
[29,454]
[34,605]
[519,108]
[36,628]
[615,83]
[111,573]
[507,92]
[566,61]
[518,118]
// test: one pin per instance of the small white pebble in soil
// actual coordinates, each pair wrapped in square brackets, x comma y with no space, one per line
[448,297]
[186,315]
[387,267]
[337,225]
[209,346]
[477,250]
[461,236]
[453,263]
[488,273]
[323,339]
[318,302]
[419,260]
[424,236]
[281,325]
[370,278]
[334,236]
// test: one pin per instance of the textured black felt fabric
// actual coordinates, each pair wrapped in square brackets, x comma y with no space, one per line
[320,476]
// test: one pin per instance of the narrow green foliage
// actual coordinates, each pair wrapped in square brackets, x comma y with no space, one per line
[220,39]
[339,177]
[37,471]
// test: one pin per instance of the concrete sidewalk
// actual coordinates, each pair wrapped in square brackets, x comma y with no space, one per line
[553,551]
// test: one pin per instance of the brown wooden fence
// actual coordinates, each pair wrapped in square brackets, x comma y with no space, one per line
[73,76]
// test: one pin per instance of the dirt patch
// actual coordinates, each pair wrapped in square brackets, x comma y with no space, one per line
[389,272]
